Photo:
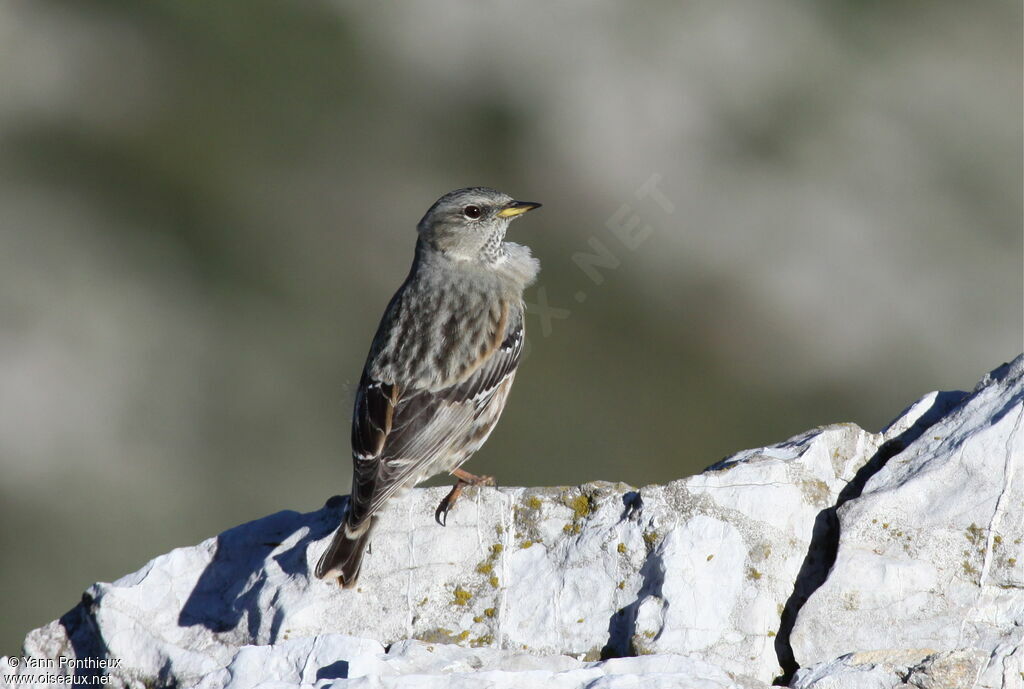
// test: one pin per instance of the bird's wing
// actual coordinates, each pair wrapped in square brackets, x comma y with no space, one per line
[397,434]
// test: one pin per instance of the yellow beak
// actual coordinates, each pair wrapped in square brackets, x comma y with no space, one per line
[517,208]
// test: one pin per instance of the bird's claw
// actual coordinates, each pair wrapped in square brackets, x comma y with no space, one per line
[441,514]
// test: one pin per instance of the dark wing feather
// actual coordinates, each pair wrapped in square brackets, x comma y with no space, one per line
[397,435]
[372,417]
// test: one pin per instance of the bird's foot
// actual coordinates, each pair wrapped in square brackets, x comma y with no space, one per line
[464,479]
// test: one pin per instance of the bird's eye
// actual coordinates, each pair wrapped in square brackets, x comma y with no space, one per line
[472,212]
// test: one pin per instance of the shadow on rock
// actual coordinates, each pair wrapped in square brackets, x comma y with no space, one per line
[336,670]
[80,627]
[622,624]
[229,589]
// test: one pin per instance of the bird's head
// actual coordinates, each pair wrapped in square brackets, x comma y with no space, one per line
[470,224]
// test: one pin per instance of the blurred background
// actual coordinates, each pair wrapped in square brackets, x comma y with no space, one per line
[205,207]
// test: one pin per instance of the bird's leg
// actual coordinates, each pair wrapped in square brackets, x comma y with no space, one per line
[472,479]
[464,479]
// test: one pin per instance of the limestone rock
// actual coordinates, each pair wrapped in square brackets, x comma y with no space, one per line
[703,565]
[930,555]
[917,669]
[834,542]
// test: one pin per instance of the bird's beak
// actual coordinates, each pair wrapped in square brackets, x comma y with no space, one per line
[515,208]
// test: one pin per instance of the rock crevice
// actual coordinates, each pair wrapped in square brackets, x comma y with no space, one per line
[824,545]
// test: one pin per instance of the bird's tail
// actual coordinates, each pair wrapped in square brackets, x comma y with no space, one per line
[344,556]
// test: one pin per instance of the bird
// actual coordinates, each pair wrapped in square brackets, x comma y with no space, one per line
[441,365]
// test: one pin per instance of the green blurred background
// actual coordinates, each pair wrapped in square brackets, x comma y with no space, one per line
[204,208]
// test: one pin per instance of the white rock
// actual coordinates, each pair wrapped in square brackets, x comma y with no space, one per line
[916,669]
[705,564]
[697,583]
[415,663]
[930,555]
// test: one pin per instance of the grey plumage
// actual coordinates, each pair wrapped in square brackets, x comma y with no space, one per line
[441,364]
